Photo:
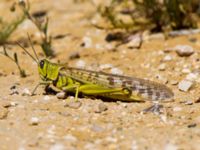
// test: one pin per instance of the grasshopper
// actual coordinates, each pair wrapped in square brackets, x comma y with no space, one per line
[92,83]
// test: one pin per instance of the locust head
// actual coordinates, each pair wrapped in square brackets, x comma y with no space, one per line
[42,69]
[48,71]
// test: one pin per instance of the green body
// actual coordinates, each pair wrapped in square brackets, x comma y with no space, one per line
[93,83]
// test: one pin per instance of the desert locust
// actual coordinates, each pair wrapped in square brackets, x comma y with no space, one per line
[92,83]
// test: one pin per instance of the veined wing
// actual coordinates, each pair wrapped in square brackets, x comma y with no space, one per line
[148,89]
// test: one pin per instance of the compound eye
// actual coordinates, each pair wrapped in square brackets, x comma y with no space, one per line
[41,63]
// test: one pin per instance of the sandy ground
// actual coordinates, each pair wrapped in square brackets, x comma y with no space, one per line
[45,122]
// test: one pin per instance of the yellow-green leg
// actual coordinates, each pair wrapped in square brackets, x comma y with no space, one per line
[71,87]
[124,93]
[91,89]
[95,90]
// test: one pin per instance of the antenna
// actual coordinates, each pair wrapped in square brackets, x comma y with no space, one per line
[33,47]
[28,53]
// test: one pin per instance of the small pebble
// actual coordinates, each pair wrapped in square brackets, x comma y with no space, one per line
[184,50]
[73,104]
[57,147]
[186,70]
[134,145]
[26,92]
[116,71]
[46,98]
[21,148]
[176,109]
[162,67]
[34,121]
[173,82]
[87,42]
[101,107]
[188,102]
[70,138]
[167,58]
[80,64]
[170,146]
[26,24]
[163,117]
[185,85]
[124,105]
[192,76]
[134,41]
[13,104]
[61,95]
[105,66]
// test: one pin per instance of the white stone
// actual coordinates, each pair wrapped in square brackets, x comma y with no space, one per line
[26,92]
[70,138]
[167,58]
[176,109]
[57,147]
[170,146]
[134,41]
[90,146]
[87,41]
[105,66]
[61,95]
[163,118]
[192,76]
[186,70]
[184,50]
[46,98]
[173,82]
[21,148]
[134,145]
[13,104]
[162,67]
[185,85]
[26,25]
[116,71]
[34,121]
[80,64]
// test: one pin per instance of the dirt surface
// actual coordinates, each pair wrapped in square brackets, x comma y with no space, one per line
[46,122]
